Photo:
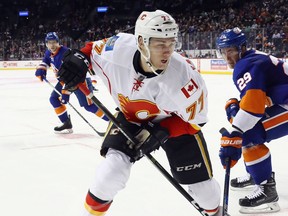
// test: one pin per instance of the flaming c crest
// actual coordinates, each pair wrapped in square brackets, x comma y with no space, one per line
[138,110]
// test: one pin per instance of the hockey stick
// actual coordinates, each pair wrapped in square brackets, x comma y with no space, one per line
[226,182]
[99,133]
[226,187]
[132,139]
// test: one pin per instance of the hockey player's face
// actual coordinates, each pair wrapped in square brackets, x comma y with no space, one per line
[230,55]
[161,50]
[52,45]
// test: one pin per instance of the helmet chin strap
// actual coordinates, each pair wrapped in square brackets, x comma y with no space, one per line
[240,51]
[148,61]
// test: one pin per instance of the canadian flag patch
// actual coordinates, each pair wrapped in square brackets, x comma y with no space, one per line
[190,88]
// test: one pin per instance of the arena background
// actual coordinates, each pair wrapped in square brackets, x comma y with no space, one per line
[42,173]
[24,24]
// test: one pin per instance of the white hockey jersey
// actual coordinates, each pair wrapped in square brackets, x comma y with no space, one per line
[180,89]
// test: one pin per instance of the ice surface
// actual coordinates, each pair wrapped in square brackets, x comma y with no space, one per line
[42,173]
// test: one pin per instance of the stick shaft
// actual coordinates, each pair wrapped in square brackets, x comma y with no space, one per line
[226,187]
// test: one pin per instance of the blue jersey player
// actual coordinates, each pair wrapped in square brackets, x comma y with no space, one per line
[261,115]
[53,58]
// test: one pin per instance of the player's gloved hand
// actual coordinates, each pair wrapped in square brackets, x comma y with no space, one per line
[41,74]
[231,108]
[74,68]
[231,146]
[150,138]
[65,96]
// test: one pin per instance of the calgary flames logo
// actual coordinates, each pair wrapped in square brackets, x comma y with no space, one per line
[138,110]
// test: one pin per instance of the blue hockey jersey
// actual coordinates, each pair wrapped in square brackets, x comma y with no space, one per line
[54,60]
[262,80]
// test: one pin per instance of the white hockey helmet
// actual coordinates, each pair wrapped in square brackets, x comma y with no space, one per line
[158,24]
[155,24]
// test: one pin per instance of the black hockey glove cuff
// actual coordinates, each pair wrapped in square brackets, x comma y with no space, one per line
[74,68]
[150,139]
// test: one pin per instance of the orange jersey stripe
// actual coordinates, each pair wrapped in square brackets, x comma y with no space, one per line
[60,110]
[100,113]
[275,121]
[254,101]
[89,101]
[255,154]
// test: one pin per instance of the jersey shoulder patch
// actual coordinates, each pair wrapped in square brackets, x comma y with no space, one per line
[111,42]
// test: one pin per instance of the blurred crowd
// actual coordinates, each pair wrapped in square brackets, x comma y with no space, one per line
[200,21]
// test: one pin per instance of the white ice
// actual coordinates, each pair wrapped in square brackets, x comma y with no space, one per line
[42,173]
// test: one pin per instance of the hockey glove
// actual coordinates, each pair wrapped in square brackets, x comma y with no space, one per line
[65,96]
[74,68]
[231,146]
[150,138]
[231,108]
[41,74]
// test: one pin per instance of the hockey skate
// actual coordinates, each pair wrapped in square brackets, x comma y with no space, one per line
[242,183]
[263,199]
[65,128]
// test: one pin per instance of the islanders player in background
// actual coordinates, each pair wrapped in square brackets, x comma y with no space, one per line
[260,116]
[150,83]
[53,58]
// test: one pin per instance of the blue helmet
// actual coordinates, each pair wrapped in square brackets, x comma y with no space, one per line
[231,38]
[51,36]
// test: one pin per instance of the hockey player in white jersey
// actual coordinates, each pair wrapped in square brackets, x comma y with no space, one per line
[150,83]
